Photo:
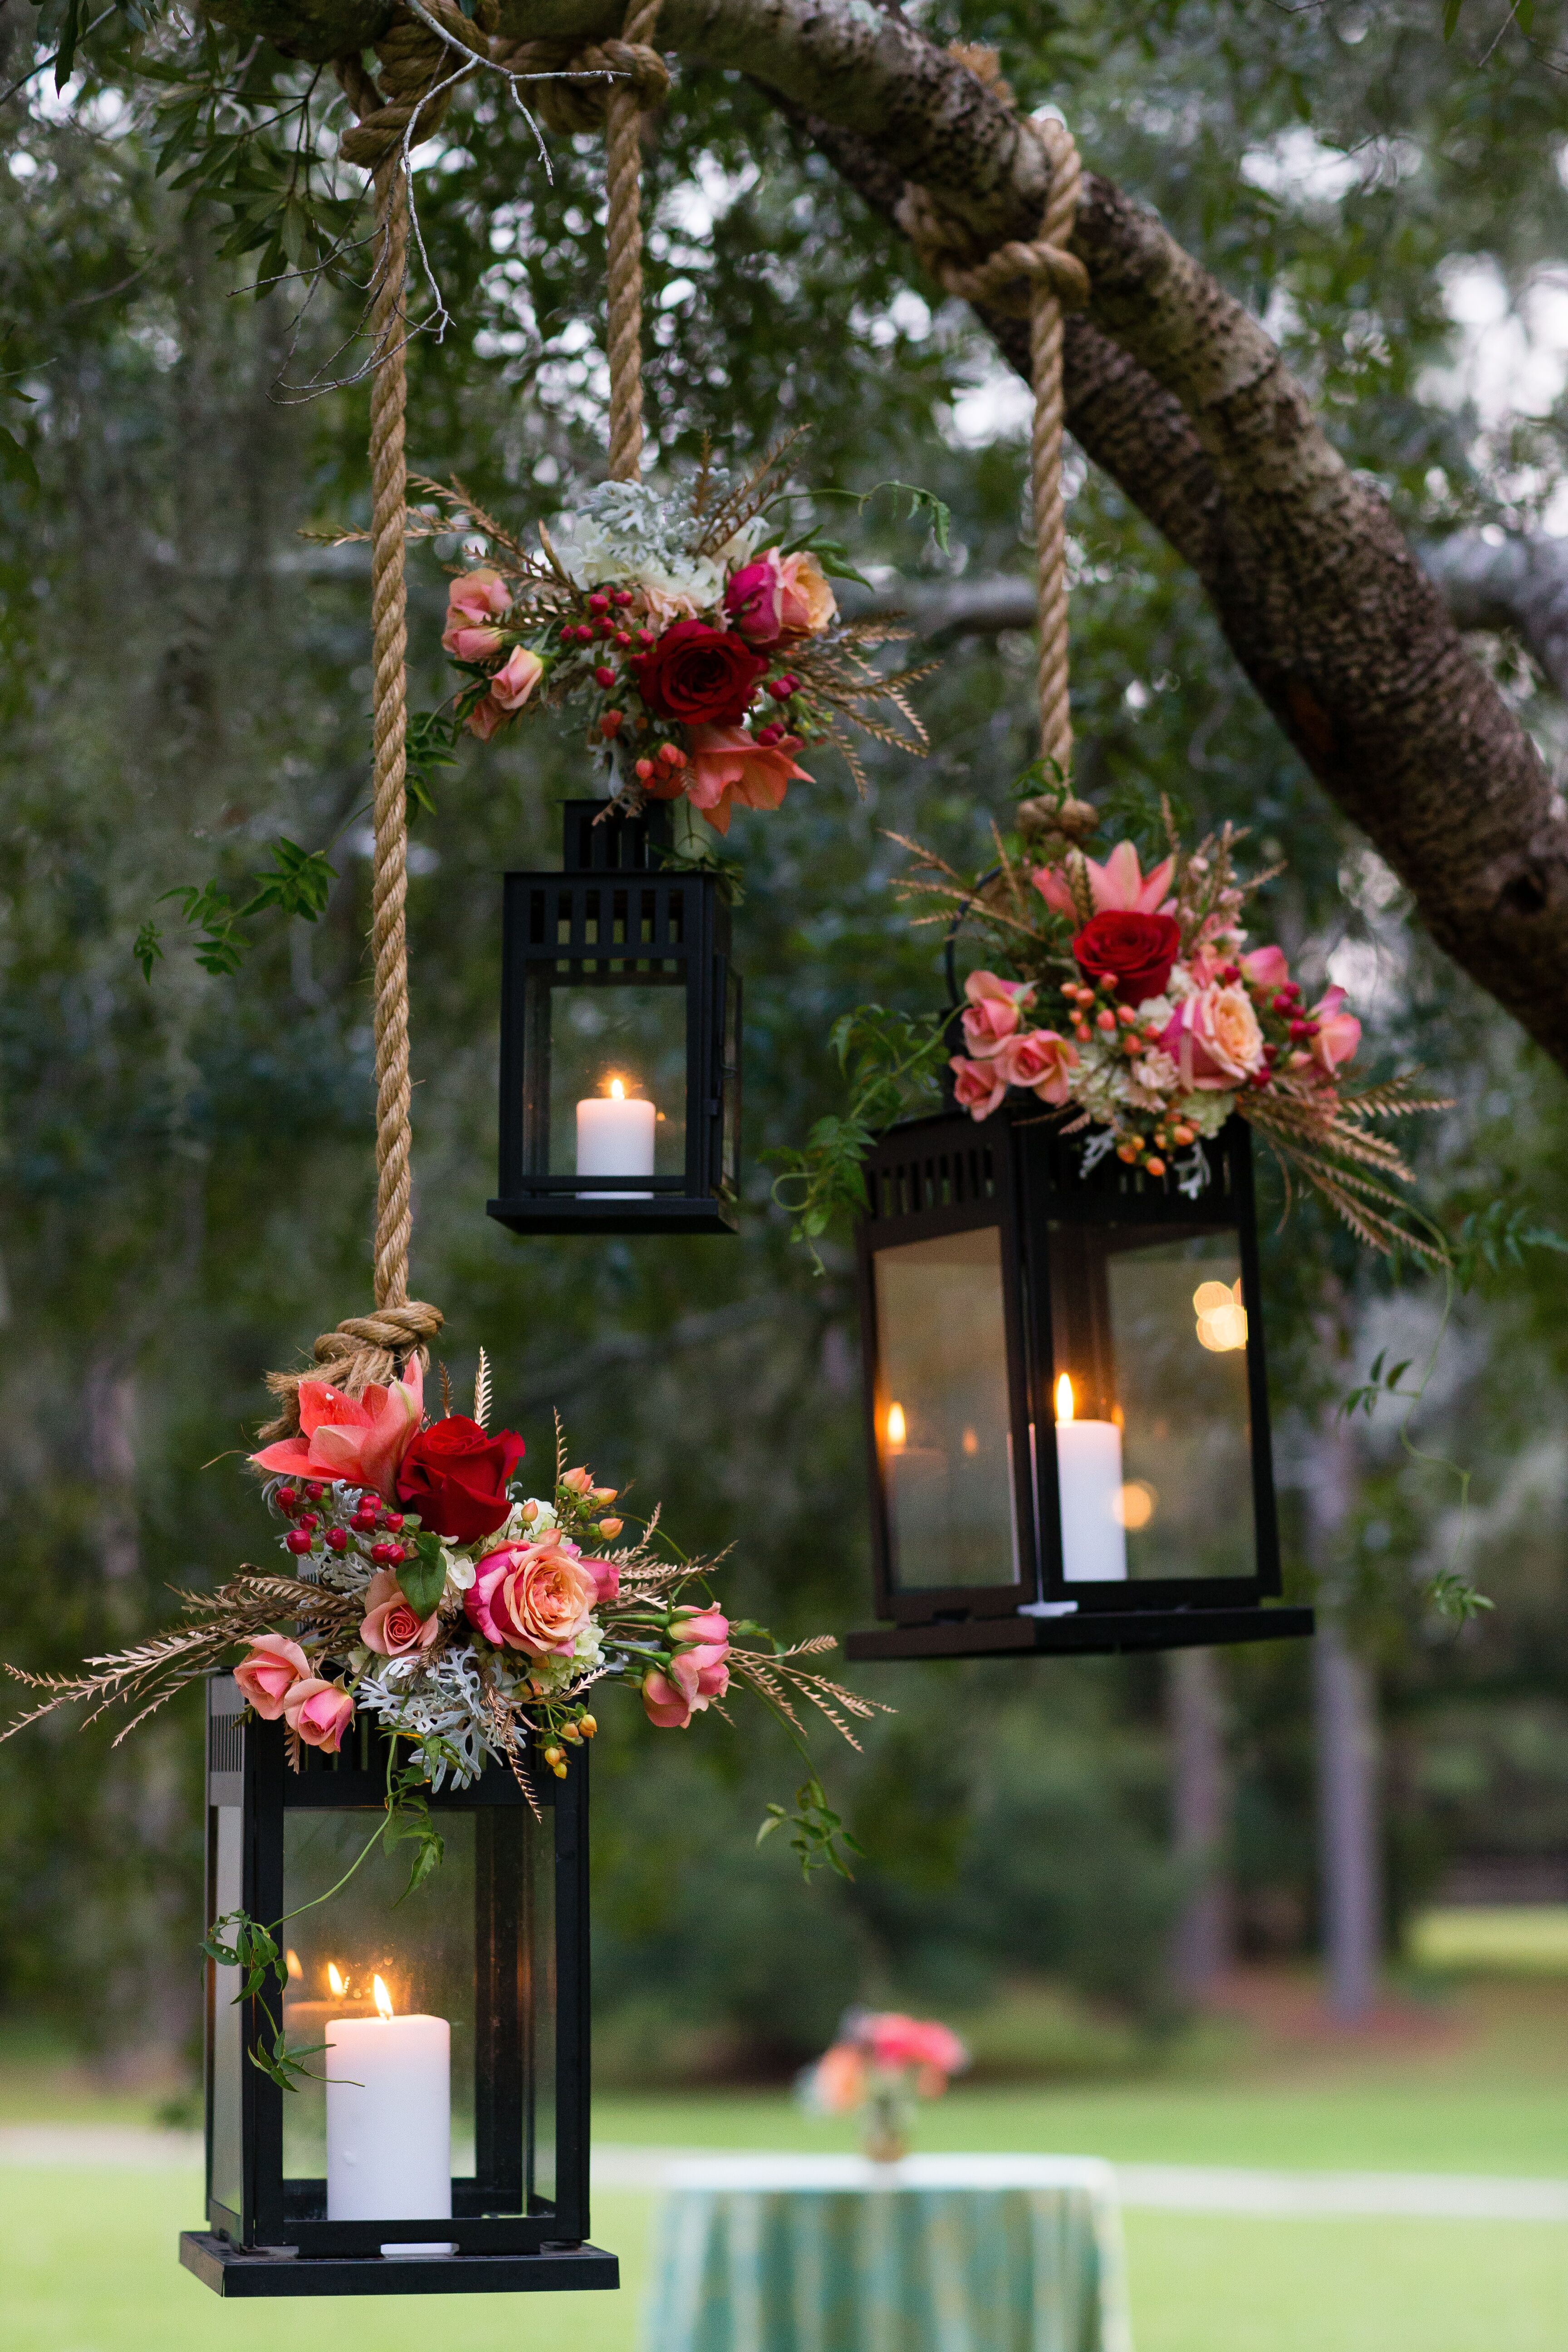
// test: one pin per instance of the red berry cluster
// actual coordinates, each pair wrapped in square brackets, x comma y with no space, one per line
[369,1517]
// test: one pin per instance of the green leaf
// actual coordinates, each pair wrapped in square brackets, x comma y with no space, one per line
[301,883]
[16,458]
[1451,17]
[147,951]
[424,1578]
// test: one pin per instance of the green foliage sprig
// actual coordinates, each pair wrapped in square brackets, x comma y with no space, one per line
[891,1061]
[301,883]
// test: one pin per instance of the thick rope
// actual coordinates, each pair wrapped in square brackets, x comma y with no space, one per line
[623,237]
[1045,278]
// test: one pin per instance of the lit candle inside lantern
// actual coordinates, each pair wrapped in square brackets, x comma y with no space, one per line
[615,1138]
[897,1429]
[389,2120]
[1089,1479]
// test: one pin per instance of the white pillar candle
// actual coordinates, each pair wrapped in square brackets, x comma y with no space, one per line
[1088,1480]
[615,1138]
[389,2122]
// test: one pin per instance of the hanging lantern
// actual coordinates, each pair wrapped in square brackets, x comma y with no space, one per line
[436,2137]
[1067,1410]
[620,1039]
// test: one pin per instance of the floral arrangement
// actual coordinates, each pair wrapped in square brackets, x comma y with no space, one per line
[881,2063]
[1130,1001]
[426,1590]
[704,645]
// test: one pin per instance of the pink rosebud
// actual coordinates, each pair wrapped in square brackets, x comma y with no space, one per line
[320,1713]
[606,1576]
[701,1674]
[478,597]
[978,1086]
[754,599]
[666,1706]
[700,1626]
[993,1012]
[272,1671]
[516,680]
[1266,967]
[467,644]
[1336,1034]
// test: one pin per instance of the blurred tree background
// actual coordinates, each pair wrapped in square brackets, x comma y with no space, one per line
[186,1185]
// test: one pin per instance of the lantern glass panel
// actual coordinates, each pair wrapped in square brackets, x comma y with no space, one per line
[605,1033]
[1150,1399]
[421,1949]
[942,1419]
[543,2085]
[226,2025]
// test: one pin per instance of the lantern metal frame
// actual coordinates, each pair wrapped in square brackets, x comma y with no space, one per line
[1017,1173]
[508,2237]
[616,916]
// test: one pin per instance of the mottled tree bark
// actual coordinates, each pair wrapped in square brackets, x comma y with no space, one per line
[1178,393]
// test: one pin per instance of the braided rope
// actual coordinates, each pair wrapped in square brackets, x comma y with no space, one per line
[1044,279]
[623,237]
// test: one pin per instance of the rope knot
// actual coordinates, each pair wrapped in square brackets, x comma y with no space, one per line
[414,61]
[567,107]
[364,1349]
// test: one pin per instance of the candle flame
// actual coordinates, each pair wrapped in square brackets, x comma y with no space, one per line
[971,1440]
[291,1962]
[1064,1399]
[898,1428]
[336,1979]
[383,1997]
[617,1090]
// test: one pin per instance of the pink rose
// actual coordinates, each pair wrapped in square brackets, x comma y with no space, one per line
[754,599]
[666,1706]
[269,1673]
[1040,1059]
[470,644]
[728,768]
[1214,1038]
[389,1626]
[700,1626]
[606,1576]
[992,1012]
[701,1674]
[516,679]
[320,1713]
[1267,967]
[533,1597]
[978,1086]
[897,2040]
[361,1441]
[808,603]
[1338,1033]
[477,596]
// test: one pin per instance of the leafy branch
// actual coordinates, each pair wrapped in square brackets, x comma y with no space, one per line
[891,1061]
[301,883]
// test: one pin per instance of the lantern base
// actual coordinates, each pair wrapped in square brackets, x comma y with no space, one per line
[567,1213]
[1090,1633]
[228,2270]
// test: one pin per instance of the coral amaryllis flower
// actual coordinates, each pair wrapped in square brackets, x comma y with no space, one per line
[729,768]
[1119,887]
[360,1440]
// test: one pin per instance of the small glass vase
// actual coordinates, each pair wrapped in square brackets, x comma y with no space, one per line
[886,2121]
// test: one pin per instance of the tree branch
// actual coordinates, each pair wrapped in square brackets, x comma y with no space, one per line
[1180,395]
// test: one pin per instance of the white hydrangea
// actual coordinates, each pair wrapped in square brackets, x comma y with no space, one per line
[1208,1112]
[460,1572]
[637,532]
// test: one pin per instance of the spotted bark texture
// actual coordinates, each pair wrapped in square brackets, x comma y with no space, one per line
[1175,390]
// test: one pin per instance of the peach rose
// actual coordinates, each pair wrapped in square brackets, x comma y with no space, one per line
[389,1626]
[807,604]
[320,1713]
[269,1673]
[533,1597]
[1039,1059]
[978,1086]
[1214,1038]
[993,1012]
[471,644]
[664,1704]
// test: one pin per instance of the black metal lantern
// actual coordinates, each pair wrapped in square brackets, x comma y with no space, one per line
[620,1039]
[439,2140]
[1067,1411]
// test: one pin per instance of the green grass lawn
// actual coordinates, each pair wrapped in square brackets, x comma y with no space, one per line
[88,2259]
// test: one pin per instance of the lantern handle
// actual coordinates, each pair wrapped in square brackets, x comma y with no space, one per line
[949,961]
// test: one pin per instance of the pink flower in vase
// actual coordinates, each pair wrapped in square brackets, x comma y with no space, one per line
[1338,1033]
[272,1671]
[359,1440]
[994,1010]
[319,1713]
[754,599]
[730,769]
[978,1086]
[1039,1059]
[1119,887]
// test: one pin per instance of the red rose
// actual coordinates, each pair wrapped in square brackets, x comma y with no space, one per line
[700,676]
[1135,951]
[455,1477]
